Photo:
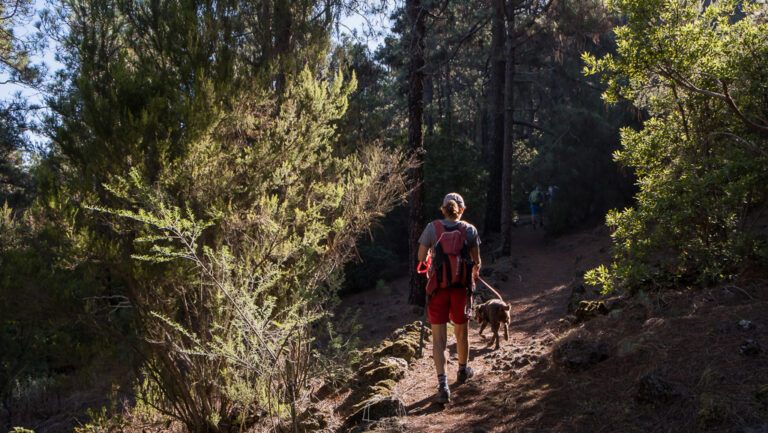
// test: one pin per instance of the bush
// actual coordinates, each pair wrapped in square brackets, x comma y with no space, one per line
[699,159]
[229,284]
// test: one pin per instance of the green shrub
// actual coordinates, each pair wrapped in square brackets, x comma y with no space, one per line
[700,158]
[229,285]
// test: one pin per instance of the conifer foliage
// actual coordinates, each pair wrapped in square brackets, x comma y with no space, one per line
[208,155]
[256,269]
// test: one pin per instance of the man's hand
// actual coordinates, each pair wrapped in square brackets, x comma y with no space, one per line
[476,271]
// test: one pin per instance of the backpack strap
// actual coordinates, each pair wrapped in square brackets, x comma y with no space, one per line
[439,229]
[462,226]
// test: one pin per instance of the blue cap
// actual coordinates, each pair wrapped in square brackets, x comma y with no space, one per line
[456,197]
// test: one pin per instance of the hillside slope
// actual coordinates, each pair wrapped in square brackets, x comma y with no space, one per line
[685,361]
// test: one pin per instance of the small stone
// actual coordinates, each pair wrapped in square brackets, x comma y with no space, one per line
[746,325]
[750,348]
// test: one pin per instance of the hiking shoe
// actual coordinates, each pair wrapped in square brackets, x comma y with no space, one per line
[443,394]
[465,374]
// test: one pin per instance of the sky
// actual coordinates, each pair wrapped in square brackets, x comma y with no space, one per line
[354,25]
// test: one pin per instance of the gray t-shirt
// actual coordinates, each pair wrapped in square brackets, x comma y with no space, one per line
[428,236]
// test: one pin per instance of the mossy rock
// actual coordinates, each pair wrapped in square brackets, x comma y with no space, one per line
[362,357]
[405,349]
[377,390]
[589,309]
[384,349]
[396,362]
[416,336]
[385,372]
[387,383]
[400,363]
[412,331]
[374,409]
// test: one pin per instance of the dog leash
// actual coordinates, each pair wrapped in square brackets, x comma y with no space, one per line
[491,288]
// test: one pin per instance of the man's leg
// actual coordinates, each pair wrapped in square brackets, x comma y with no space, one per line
[462,342]
[462,346]
[439,341]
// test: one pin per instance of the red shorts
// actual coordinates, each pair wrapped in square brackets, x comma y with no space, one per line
[447,302]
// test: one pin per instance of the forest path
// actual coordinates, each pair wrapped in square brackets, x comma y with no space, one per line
[535,282]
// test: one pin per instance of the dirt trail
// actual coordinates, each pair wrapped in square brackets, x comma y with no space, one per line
[534,281]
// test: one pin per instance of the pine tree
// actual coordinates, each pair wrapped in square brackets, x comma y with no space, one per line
[208,134]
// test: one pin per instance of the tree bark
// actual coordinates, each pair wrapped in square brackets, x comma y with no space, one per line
[496,94]
[448,99]
[509,137]
[416,21]
[429,91]
[282,23]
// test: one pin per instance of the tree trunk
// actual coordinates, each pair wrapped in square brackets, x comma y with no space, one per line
[416,18]
[429,91]
[509,138]
[282,21]
[448,99]
[496,94]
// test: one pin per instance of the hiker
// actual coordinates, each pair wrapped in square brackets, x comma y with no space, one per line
[551,193]
[453,302]
[536,198]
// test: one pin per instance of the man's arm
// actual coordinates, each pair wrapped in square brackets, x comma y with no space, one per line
[422,254]
[474,252]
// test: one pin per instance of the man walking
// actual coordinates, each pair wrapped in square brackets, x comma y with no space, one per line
[450,302]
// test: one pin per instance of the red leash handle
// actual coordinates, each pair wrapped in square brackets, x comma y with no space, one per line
[423,267]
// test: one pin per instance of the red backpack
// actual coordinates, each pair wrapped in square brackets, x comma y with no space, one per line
[451,265]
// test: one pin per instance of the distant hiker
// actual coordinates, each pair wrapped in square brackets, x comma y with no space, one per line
[536,199]
[551,193]
[452,250]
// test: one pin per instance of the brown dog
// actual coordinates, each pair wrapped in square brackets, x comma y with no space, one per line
[493,312]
